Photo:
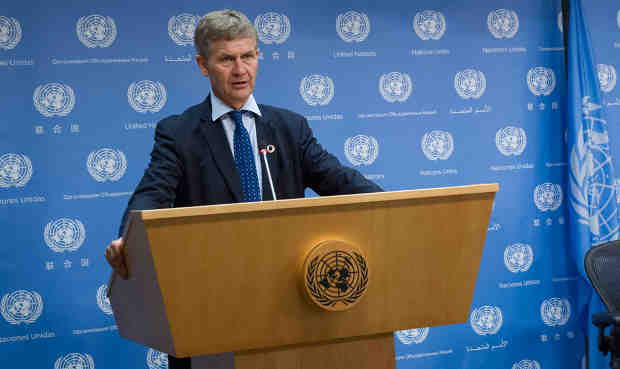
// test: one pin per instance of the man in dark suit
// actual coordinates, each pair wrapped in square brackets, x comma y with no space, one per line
[210,153]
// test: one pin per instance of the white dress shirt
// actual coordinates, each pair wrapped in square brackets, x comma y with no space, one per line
[219,110]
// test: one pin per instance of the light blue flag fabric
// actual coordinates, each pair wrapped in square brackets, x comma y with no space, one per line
[593,210]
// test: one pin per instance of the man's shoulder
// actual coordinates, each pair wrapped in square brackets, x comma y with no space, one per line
[191,116]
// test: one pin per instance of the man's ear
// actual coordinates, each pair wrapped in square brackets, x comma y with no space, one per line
[202,65]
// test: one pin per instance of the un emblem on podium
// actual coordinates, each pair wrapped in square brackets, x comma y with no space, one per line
[96,31]
[15,170]
[606,77]
[21,307]
[64,234]
[429,25]
[486,320]
[10,33]
[335,275]
[54,99]
[353,26]
[503,23]
[272,28]
[541,81]
[555,311]
[75,360]
[181,28]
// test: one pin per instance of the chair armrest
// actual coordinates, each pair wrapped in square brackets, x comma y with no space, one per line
[603,320]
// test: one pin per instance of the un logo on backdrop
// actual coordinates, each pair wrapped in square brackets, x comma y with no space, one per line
[518,257]
[361,150]
[15,170]
[526,364]
[409,336]
[503,23]
[437,145]
[606,77]
[75,360]
[353,26]
[272,28]
[54,99]
[548,196]
[395,86]
[541,81]
[591,191]
[181,28]
[96,31]
[21,307]
[429,25]
[64,235]
[147,96]
[156,359]
[470,83]
[106,165]
[103,301]
[10,33]
[555,311]
[486,320]
[316,89]
[510,140]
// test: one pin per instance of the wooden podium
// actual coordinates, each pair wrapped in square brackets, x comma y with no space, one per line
[230,278]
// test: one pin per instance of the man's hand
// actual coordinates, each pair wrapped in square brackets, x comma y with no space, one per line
[116,257]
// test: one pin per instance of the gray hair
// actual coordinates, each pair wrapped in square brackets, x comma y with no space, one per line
[222,25]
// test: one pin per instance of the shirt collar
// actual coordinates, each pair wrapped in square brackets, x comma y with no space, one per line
[218,108]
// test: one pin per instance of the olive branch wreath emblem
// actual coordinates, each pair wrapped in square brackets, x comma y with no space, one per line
[315,290]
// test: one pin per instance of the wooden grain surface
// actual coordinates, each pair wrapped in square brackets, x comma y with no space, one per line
[229,273]
[375,352]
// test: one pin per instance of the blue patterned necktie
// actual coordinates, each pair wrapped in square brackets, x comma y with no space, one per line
[244,159]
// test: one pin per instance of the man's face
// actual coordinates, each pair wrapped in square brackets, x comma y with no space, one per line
[232,67]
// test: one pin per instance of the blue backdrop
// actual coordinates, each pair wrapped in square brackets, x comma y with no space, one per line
[413,94]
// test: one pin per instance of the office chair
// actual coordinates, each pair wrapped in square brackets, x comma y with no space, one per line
[602,265]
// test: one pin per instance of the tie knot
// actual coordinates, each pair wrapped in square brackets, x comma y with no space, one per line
[237,115]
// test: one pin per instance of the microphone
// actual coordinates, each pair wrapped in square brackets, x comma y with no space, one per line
[269,149]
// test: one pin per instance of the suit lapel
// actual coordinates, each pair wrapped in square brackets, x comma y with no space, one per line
[217,142]
[265,136]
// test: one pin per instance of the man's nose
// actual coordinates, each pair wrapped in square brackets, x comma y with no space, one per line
[238,66]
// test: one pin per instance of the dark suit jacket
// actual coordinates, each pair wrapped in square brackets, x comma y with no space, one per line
[192,164]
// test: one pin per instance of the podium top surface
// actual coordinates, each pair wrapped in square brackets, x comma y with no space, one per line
[317,201]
